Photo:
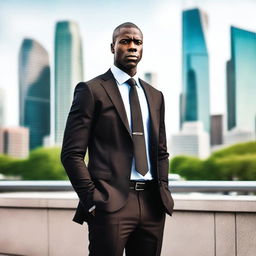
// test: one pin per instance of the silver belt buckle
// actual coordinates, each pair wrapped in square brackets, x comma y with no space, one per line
[139,183]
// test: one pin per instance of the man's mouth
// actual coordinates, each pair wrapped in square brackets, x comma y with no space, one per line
[133,57]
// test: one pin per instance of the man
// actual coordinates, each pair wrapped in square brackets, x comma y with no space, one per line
[123,191]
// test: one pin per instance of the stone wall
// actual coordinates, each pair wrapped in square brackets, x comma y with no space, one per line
[39,224]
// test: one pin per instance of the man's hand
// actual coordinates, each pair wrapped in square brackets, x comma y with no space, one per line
[93,212]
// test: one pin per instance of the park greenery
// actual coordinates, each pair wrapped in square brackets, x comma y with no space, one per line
[237,162]
[42,164]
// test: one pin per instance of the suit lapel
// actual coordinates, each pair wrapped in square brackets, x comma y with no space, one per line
[113,92]
[154,124]
[109,84]
[152,111]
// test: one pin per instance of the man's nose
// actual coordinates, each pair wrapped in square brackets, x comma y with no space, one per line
[132,47]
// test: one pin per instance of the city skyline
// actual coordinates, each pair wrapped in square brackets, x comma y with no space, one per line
[241,77]
[164,19]
[194,99]
[34,91]
[2,105]
[68,69]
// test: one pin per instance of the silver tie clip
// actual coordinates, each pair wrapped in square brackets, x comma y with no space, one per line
[137,133]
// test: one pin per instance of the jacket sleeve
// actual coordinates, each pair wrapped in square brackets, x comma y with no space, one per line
[75,142]
[163,162]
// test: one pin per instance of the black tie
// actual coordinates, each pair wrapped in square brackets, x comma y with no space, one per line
[141,163]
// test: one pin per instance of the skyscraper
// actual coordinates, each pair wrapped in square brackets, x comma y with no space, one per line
[216,130]
[68,71]
[151,78]
[241,77]
[194,99]
[192,140]
[34,91]
[14,141]
[236,135]
[2,101]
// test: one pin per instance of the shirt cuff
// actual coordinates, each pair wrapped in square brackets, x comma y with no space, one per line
[92,208]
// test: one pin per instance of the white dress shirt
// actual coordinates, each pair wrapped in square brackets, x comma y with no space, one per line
[124,88]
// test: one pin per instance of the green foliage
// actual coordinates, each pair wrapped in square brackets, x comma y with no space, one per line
[10,166]
[237,162]
[42,164]
[236,149]
[238,167]
[189,167]
[4,164]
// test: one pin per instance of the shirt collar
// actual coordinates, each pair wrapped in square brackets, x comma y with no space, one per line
[121,77]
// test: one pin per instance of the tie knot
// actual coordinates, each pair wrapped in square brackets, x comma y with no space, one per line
[131,82]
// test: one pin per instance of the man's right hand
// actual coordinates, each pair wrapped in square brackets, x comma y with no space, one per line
[93,212]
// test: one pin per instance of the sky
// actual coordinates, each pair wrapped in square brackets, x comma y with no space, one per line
[160,21]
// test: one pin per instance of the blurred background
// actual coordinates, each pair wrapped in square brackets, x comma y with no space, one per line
[200,54]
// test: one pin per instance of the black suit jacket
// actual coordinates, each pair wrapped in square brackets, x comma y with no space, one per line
[97,121]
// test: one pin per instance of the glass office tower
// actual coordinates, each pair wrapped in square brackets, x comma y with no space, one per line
[2,106]
[68,71]
[241,81]
[34,91]
[151,78]
[194,99]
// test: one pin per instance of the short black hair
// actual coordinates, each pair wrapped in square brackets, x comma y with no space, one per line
[124,25]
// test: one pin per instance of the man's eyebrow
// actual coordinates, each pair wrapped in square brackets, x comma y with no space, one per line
[129,35]
[131,38]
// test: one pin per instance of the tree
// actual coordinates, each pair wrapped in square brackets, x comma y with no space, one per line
[237,162]
[44,164]
[188,167]
[10,166]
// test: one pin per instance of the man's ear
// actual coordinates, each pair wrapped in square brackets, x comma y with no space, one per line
[112,48]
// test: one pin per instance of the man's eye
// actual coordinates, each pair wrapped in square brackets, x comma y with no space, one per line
[138,42]
[127,41]
[124,41]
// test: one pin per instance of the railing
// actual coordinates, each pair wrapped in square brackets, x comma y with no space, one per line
[212,186]
[175,186]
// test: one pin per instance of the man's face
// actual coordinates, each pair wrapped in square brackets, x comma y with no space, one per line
[127,48]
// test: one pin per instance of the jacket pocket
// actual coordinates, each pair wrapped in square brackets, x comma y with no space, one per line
[101,174]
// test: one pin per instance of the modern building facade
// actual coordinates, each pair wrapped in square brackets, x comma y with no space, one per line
[237,135]
[216,130]
[34,91]
[192,140]
[194,99]
[2,105]
[68,71]
[151,78]
[241,85]
[14,141]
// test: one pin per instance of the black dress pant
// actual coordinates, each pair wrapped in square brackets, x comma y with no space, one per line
[136,228]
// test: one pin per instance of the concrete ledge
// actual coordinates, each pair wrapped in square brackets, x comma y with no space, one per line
[183,202]
[40,224]
[215,203]
[63,200]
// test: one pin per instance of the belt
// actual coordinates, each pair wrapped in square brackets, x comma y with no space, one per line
[142,185]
